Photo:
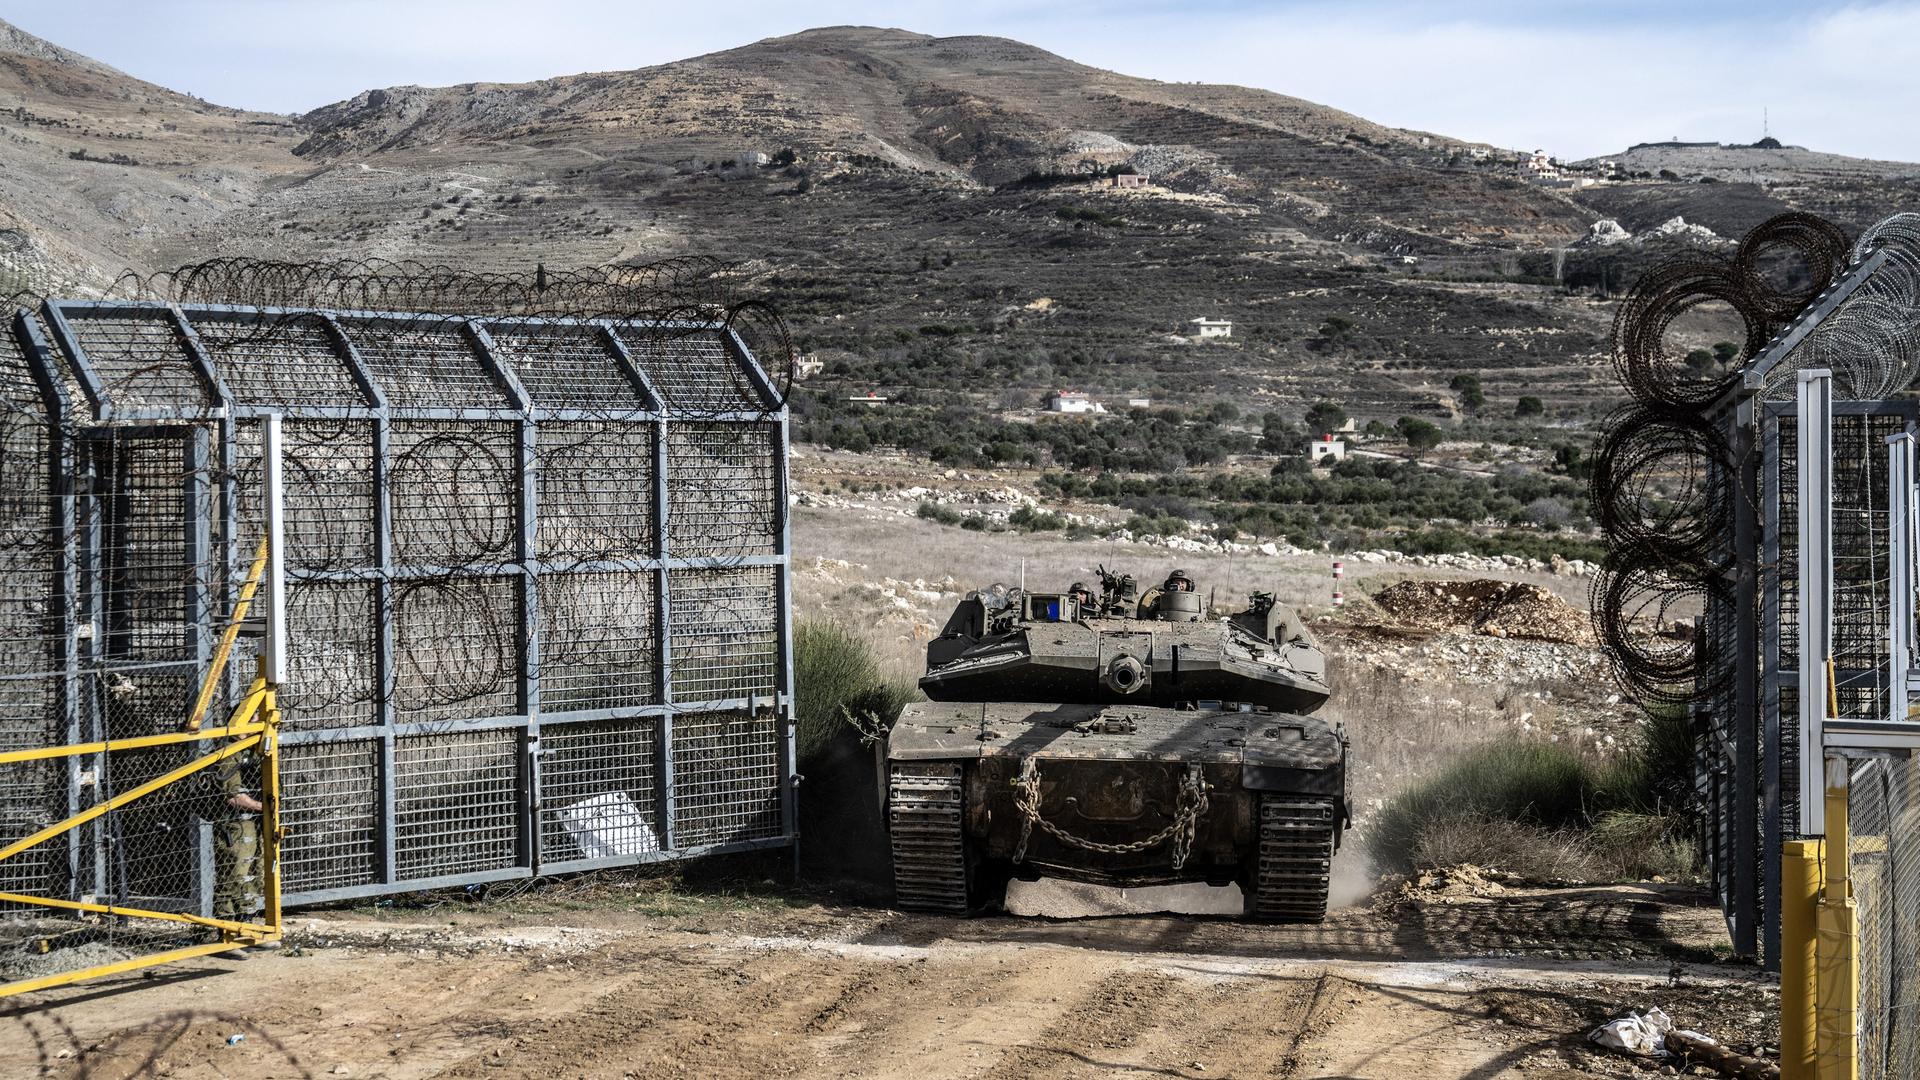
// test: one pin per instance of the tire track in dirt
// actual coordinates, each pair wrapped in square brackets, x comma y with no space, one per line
[1100,1020]
[946,1017]
[697,1013]
[1244,1025]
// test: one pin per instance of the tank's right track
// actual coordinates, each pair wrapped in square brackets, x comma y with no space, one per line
[929,848]
[1295,859]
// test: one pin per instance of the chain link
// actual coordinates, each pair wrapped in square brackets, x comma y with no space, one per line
[1190,808]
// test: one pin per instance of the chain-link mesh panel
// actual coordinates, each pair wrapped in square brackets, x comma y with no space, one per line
[598,790]
[183,849]
[726,785]
[726,634]
[1883,808]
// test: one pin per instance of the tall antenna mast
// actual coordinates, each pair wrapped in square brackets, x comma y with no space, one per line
[1766,128]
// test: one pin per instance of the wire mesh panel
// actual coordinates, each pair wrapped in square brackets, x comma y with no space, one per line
[425,363]
[456,645]
[596,491]
[330,806]
[597,791]
[453,562]
[1884,816]
[567,366]
[333,660]
[599,642]
[694,370]
[455,488]
[726,784]
[726,634]
[147,613]
[141,360]
[326,468]
[722,490]
[31,542]
[279,361]
[455,810]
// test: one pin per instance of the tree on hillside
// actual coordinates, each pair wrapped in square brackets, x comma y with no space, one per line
[1420,434]
[1725,351]
[1528,405]
[1468,388]
[1324,417]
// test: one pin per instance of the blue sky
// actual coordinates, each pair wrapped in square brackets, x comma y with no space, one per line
[1575,77]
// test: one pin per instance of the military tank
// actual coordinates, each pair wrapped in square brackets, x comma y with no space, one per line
[1117,738]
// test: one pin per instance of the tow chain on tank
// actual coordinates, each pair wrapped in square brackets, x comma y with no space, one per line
[1192,806]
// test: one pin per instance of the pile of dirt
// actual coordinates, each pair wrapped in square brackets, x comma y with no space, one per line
[1446,885]
[1502,609]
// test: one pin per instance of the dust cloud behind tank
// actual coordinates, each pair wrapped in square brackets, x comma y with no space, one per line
[1118,738]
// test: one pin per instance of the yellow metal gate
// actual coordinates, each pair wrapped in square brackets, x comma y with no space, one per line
[161,840]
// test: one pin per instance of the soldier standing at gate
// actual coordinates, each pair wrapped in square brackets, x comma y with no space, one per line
[236,838]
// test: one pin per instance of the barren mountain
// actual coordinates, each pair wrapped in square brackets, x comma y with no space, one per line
[935,213]
[96,166]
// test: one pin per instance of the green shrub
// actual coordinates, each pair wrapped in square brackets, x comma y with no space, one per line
[840,690]
[1028,519]
[1549,809]
[842,699]
[937,513]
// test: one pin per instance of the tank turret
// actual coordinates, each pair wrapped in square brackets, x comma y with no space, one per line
[1120,737]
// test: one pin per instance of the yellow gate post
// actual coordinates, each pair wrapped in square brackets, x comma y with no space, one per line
[1799,906]
[1838,984]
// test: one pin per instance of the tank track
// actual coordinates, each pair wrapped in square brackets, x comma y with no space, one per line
[1294,865]
[929,848]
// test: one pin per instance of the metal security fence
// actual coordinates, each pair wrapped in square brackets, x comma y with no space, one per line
[537,579]
[1883,800]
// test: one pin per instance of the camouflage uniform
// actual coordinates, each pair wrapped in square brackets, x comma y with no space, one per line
[236,839]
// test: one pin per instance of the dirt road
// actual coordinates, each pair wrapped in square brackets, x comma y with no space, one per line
[1437,988]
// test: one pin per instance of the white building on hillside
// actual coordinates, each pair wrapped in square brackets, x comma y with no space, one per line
[1204,327]
[1325,448]
[1072,401]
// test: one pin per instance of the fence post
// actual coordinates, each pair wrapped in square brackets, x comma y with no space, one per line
[1799,901]
[1899,571]
[1838,985]
[1815,462]
[273,665]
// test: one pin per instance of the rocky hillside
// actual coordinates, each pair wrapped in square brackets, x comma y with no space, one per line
[935,214]
[97,166]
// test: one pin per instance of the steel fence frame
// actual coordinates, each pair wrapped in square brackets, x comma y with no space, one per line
[739,792]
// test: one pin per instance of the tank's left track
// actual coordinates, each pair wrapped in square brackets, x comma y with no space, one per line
[1293,868]
[929,846]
